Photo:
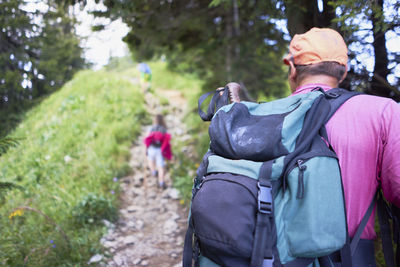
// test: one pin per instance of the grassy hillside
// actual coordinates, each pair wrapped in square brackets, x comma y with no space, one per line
[61,180]
[182,171]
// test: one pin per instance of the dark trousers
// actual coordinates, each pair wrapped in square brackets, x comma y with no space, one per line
[364,256]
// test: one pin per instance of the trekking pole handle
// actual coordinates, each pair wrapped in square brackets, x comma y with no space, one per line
[234,89]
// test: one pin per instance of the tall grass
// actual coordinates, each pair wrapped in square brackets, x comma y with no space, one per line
[62,176]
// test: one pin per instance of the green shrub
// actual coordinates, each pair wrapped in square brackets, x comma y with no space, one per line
[92,209]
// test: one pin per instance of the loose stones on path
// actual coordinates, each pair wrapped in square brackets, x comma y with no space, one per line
[151,225]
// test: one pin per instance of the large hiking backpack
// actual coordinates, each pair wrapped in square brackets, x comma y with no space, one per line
[269,191]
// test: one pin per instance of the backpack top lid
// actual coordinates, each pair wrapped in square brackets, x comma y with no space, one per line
[261,132]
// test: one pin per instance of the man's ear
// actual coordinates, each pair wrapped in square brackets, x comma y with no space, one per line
[292,71]
[344,76]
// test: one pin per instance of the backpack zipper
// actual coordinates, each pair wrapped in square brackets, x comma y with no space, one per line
[299,163]
[300,185]
[226,180]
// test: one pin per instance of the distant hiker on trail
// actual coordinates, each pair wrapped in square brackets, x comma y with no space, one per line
[145,76]
[294,181]
[158,148]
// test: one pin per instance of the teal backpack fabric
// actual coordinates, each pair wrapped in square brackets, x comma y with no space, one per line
[269,190]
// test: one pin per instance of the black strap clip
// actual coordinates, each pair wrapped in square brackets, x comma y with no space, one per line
[264,198]
[328,94]
[268,262]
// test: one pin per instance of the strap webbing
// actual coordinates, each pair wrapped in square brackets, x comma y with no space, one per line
[345,255]
[300,262]
[260,240]
[337,96]
[263,235]
[348,250]
[188,247]
[396,230]
[386,236]
[361,227]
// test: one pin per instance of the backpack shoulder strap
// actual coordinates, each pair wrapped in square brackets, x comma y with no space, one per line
[396,229]
[337,96]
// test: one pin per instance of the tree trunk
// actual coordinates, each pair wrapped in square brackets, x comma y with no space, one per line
[236,23]
[229,35]
[303,15]
[379,84]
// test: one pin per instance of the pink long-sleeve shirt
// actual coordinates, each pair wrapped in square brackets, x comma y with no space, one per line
[365,134]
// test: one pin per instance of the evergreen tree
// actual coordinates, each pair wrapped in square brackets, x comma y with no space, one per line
[222,41]
[39,52]
[365,25]
[17,36]
[61,54]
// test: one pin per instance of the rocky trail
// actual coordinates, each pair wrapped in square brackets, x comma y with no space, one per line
[152,223]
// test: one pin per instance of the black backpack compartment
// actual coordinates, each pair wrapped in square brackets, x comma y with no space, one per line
[224,216]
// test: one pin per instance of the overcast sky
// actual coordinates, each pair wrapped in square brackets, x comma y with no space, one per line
[100,46]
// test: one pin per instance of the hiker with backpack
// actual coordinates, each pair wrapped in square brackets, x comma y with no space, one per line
[364,132]
[158,148]
[294,182]
[145,76]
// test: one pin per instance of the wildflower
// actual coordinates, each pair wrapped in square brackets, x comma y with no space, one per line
[112,192]
[67,158]
[51,241]
[47,157]
[54,245]
[18,212]
[115,179]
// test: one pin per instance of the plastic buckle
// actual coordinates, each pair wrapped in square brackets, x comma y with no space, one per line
[264,198]
[332,95]
[268,262]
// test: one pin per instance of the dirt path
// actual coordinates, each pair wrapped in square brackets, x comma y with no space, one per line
[150,231]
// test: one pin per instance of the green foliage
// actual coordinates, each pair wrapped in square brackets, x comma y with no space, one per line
[61,55]
[40,52]
[75,142]
[163,101]
[183,171]
[220,42]
[366,26]
[120,64]
[6,143]
[93,209]
[16,50]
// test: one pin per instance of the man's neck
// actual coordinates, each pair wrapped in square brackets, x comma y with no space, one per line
[323,79]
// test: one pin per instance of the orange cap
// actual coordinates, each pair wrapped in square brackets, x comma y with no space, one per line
[317,45]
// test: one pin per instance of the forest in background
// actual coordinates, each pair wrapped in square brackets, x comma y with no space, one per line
[244,41]
[39,52]
[218,40]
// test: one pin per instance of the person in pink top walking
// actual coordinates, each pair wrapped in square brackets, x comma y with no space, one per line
[364,132]
[158,148]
